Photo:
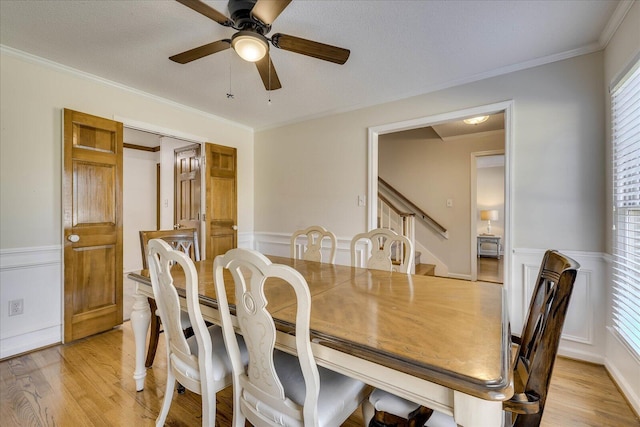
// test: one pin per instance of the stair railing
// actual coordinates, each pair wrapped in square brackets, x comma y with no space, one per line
[389,216]
[419,213]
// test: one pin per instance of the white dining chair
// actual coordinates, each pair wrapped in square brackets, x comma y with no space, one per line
[312,249]
[200,363]
[185,240]
[387,250]
[277,388]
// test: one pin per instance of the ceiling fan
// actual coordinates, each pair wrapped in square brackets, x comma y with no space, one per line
[252,19]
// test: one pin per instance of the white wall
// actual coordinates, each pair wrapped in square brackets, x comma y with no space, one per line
[33,93]
[312,172]
[621,50]
[139,203]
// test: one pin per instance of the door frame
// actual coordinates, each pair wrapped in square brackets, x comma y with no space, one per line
[372,164]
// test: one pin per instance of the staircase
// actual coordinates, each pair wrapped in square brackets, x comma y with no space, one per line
[394,218]
[421,269]
[425,269]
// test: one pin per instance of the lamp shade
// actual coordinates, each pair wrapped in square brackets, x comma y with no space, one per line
[249,45]
[476,120]
[489,215]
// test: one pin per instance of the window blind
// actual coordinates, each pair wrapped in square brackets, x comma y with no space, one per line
[625,123]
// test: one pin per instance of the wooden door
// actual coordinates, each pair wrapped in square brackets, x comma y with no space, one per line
[187,188]
[92,224]
[221,199]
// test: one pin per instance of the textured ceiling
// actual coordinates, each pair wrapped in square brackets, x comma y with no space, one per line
[398,48]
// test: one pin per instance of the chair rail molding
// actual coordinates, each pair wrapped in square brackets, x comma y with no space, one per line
[33,274]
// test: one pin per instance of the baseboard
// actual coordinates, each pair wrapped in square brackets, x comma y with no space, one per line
[581,355]
[459,276]
[625,388]
[624,368]
[30,341]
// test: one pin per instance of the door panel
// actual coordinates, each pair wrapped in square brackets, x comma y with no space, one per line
[90,207]
[92,224]
[187,187]
[221,198]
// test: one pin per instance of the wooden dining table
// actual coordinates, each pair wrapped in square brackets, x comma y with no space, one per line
[443,343]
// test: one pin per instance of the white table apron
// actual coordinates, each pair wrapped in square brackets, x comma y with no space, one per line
[467,410]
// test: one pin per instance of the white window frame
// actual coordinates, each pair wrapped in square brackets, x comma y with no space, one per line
[625,142]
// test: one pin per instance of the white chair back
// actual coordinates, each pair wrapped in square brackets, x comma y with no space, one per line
[382,243]
[260,384]
[189,361]
[312,250]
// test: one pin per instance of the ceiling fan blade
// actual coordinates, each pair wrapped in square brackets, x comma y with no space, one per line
[318,50]
[202,51]
[268,10]
[269,79]
[207,11]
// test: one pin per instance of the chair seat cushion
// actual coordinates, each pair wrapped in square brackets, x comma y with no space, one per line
[221,362]
[339,395]
[392,404]
[184,320]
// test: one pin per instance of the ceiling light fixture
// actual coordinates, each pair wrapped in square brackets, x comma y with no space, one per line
[476,120]
[251,46]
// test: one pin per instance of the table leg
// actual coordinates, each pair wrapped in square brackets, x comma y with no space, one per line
[469,411]
[140,319]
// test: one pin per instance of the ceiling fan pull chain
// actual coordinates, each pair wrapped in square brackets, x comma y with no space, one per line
[230,93]
[269,91]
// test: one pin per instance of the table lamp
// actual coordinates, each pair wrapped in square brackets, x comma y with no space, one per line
[489,215]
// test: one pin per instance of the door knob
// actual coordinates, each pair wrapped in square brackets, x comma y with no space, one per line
[73,238]
[234,227]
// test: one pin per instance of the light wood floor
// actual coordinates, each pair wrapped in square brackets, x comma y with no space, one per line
[89,383]
[491,269]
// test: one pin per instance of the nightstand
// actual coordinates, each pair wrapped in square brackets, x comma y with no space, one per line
[489,238]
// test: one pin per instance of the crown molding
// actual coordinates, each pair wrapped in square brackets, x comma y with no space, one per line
[614,22]
[27,57]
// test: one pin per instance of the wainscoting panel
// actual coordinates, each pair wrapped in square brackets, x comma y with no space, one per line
[33,275]
[583,335]
[278,244]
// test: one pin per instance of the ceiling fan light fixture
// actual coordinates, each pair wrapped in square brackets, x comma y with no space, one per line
[250,46]
[476,120]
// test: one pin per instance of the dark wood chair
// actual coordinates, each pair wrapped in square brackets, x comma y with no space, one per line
[185,240]
[537,348]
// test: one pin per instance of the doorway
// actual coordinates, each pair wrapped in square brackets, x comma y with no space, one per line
[148,191]
[469,228]
[149,183]
[487,174]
